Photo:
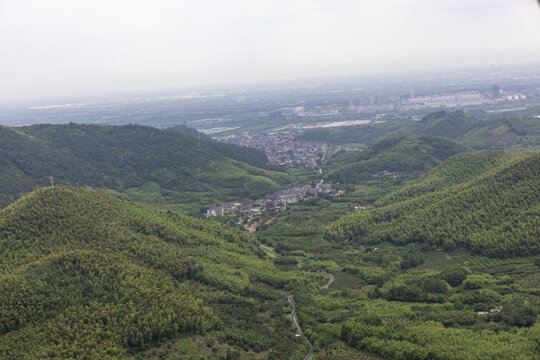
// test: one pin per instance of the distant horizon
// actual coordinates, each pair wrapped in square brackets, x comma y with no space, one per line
[269,84]
[65,48]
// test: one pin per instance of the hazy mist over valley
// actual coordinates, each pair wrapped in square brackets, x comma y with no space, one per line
[270,179]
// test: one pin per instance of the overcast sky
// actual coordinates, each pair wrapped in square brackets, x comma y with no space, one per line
[59,47]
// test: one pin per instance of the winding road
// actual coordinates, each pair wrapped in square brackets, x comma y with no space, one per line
[293,317]
[297,326]
[330,280]
[294,312]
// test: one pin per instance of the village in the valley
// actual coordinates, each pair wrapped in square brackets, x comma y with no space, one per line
[281,148]
[275,201]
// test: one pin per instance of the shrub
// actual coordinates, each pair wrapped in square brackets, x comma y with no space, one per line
[454,276]
[405,293]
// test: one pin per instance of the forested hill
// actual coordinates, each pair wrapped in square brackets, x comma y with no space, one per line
[495,211]
[456,170]
[241,153]
[401,156]
[451,125]
[142,163]
[508,131]
[85,275]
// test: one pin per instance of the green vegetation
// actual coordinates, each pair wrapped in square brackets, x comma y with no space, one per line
[437,258]
[508,131]
[409,301]
[161,167]
[362,135]
[494,214]
[458,169]
[88,275]
[451,125]
[250,156]
[401,157]
[512,131]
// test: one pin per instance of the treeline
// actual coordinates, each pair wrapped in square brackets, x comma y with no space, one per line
[431,340]
[494,214]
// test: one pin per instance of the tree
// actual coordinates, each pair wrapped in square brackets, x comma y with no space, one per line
[454,276]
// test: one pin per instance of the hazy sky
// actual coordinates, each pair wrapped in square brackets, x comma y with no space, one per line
[60,47]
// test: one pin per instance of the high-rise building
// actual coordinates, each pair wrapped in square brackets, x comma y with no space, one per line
[495,91]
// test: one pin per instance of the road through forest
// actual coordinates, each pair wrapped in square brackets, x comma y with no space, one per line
[294,320]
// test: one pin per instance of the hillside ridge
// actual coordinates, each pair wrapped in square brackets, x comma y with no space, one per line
[138,163]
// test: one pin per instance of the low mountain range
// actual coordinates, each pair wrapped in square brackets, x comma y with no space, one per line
[162,167]
[509,131]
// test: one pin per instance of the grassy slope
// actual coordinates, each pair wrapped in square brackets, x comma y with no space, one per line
[85,273]
[126,159]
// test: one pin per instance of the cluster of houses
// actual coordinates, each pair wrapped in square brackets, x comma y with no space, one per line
[385,173]
[277,200]
[281,148]
[495,309]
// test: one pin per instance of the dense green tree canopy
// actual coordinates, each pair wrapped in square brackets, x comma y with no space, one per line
[402,157]
[141,163]
[85,274]
[493,213]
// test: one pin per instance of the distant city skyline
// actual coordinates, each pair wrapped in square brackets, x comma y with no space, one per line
[63,48]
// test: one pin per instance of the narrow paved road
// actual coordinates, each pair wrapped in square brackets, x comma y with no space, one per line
[294,321]
[293,317]
[297,326]
[330,280]
[294,312]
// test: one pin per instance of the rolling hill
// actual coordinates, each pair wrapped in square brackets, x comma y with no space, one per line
[136,162]
[448,124]
[83,274]
[250,156]
[507,131]
[456,170]
[403,157]
[486,202]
